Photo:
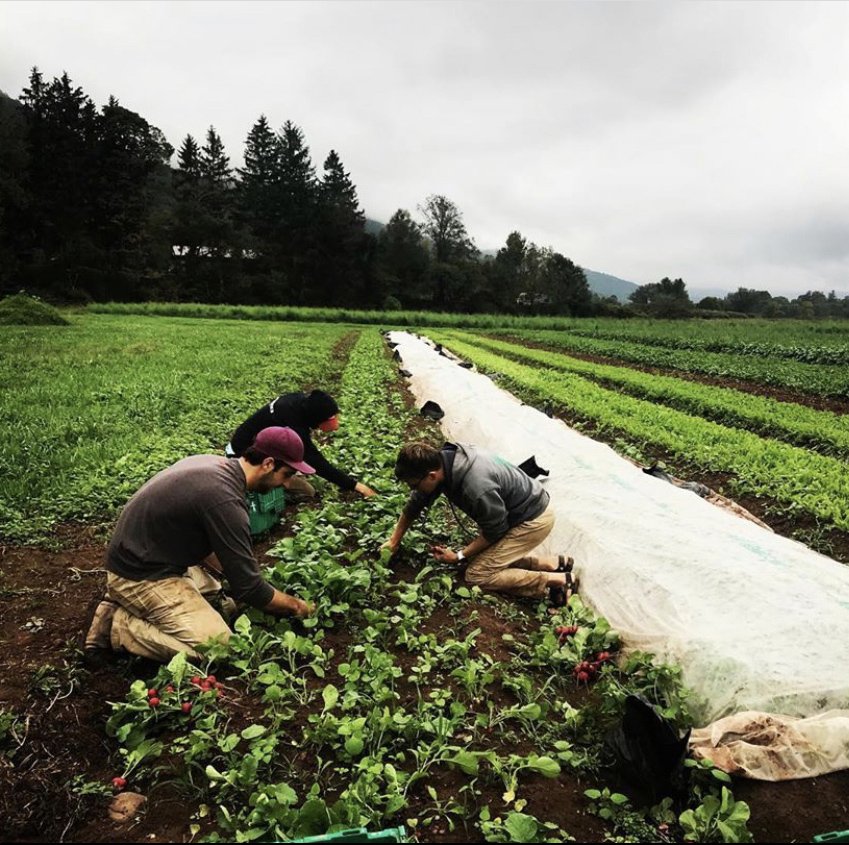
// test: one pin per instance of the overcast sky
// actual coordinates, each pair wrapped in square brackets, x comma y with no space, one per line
[706,140]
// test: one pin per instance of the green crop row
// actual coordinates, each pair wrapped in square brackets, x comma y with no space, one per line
[802,341]
[823,430]
[386,319]
[91,410]
[818,379]
[813,483]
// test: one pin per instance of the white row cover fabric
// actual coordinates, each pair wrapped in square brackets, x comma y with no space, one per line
[767,747]
[757,622]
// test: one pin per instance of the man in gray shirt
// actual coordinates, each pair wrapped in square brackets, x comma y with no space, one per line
[512,511]
[192,513]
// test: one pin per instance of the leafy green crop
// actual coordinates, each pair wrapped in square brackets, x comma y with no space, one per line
[90,413]
[816,484]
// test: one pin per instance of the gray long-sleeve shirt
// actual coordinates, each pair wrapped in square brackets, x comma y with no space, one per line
[496,494]
[179,516]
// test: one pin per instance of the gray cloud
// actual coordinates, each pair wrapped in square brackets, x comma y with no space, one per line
[703,140]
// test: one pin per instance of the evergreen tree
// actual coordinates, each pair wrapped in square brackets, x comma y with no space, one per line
[259,211]
[222,261]
[296,245]
[343,245]
[214,165]
[188,232]
[188,158]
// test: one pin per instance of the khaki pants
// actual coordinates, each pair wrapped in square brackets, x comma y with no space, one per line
[157,619]
[506,566]
[298,489]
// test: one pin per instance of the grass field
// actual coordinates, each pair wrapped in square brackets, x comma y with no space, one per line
[409,699]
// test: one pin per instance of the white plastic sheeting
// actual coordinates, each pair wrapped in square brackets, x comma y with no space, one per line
[756,621]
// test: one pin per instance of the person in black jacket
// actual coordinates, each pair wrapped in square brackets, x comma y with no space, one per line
[301,412]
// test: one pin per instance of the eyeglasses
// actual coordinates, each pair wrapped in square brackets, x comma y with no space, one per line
[413,485]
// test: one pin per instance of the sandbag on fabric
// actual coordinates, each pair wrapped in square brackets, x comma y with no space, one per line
[743,611]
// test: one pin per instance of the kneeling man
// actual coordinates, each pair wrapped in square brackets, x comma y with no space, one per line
[192,513]
[512,511]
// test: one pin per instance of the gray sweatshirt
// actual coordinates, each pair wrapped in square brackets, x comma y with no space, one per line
[183,513]
[496,494]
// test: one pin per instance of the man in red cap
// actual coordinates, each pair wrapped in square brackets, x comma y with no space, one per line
[191,513]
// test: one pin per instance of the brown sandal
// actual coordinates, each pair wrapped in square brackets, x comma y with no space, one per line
[564,564]
[560,594]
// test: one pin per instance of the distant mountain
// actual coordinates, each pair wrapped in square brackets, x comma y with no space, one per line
[374,227]
[604,284]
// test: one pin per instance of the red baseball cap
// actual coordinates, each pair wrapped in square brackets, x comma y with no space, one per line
[283,444]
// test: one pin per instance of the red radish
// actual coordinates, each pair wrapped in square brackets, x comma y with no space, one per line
[186,707]
[210,679]
[205,687]
[154,702]
[119,783]
[195,680]
[152,693]
[169,688]
[583,677]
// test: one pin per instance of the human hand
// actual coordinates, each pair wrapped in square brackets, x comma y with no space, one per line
[389,546]
[443,554]
[364,490]
[303,608]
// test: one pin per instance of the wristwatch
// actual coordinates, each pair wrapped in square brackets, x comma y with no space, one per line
[460,556]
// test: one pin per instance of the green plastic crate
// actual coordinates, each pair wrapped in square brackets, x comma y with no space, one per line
[834,836]
[359,834]
[264,510]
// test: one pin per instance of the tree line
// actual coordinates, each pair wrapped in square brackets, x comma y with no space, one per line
[670,299]
[92,209]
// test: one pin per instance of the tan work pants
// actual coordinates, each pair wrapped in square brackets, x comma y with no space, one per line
[506,566]
[298,489]
[157,619]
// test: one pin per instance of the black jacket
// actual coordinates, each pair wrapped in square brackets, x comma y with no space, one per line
[290,410]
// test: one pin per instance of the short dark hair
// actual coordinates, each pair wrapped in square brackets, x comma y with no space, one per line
[416,460]
[256,456]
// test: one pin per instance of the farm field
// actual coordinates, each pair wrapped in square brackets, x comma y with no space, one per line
[409,699]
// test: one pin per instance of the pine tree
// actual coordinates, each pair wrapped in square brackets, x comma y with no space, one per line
[343,243]
[338,192]
[258,205]
[188,158]
[214,164]
[297,242]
